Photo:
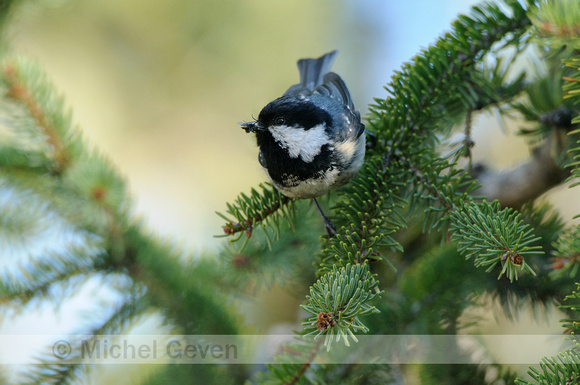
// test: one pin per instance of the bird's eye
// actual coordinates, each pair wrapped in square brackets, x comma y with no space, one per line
[280,121]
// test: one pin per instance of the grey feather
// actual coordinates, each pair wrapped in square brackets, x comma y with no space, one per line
[312,72]
[316,79]
[334,87]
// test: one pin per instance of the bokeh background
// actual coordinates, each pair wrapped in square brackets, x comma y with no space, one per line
[160,85]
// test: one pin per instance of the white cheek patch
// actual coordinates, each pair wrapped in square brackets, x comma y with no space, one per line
[299,142]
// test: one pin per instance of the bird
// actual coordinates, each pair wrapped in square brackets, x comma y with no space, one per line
[311,139]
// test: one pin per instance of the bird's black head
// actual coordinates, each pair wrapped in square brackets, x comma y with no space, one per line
[293,134]
[292,111]
[289,111]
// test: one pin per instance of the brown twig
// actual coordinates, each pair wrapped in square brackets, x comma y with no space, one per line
[569,79]
[232,228]
[19,91]
[518,185]
[307,364]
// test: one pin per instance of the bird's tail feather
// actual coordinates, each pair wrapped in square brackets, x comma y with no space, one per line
[312,71]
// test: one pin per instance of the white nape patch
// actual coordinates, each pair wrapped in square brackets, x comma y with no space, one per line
[299,142]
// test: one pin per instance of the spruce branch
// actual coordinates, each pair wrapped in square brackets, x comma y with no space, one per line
[92,176]
[264,208]
[426,95]
[22,92]
[557,23]
[544,102]
[572,306]
[26,219]
[566,260]
[293,364]
[305,366]
[405,121]
[437,191]
[174,288]
[467,141]
[574,164]
[572,93]
[299,374]
[263,264]
[367,216]
[43,280]
[338,299]
[50,369]
[493,235]
[87,191]
[77,170]
[563,369]
[433,84]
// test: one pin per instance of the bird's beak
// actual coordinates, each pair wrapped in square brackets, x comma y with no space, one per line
[252,126]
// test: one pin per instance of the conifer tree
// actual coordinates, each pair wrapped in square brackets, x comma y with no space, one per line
[422,232]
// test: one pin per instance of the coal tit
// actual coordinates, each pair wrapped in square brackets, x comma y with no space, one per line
[311,139]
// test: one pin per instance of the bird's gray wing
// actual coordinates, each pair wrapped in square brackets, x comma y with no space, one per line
[334,88]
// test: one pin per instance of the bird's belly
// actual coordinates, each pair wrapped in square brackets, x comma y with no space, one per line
[316,186]
[300,180]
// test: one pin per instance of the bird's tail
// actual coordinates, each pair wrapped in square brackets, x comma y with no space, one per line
[312,71]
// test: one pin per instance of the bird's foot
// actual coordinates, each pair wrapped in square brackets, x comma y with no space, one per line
[328,225]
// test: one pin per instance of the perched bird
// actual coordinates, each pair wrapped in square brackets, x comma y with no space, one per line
[311,139]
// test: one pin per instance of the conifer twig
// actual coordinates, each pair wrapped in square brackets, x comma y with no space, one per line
[431,187]
[493,236]
[337,301]
[312,354]
[267,206]
[18,91]
[247,225]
